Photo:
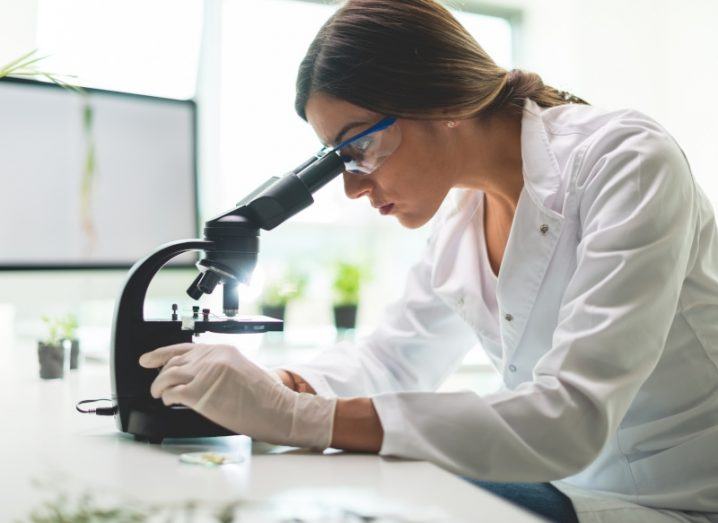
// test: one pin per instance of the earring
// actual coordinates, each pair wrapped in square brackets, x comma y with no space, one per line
[451,124]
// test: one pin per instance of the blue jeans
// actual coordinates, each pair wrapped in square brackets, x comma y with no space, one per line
[542,499]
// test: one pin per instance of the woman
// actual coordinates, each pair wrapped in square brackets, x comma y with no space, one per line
[571,243]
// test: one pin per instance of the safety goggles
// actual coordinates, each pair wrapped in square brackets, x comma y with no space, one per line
[365,152]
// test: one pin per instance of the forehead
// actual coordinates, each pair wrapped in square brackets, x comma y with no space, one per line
[329,115]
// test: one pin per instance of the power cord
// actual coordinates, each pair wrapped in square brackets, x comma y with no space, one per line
[99,411]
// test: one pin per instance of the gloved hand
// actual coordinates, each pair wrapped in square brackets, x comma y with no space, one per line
[223,385]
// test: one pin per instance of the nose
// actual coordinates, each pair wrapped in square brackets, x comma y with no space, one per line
[357,185]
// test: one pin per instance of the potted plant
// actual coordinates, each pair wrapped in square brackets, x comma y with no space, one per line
[51,352]
[346,286]
[280,292]
[68,327]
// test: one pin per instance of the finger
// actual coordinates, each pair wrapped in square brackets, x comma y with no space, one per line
[176,395]
[169,378]
[158,357]
[176,361]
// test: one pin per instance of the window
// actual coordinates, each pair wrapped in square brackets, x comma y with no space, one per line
[124,45]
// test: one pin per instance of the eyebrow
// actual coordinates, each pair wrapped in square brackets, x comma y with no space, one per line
[346,128]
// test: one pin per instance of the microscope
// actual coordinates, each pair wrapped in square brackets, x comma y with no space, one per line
[228,255]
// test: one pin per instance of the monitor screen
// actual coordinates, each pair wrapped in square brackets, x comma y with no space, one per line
[92,179]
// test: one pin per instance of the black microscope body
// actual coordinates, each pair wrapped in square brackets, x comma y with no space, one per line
[228,253]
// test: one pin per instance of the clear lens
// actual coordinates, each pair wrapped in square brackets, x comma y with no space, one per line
[367,154]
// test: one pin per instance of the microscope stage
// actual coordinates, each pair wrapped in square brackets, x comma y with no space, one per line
[224,324]
[240,324]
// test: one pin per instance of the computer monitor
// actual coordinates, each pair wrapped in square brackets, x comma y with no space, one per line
[96,179]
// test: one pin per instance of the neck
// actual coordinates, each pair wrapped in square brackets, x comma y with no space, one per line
[488,158]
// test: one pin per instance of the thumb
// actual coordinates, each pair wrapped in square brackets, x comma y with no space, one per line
[158,357]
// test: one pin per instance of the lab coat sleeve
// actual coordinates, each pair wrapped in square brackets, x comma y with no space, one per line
[637,220]
[419,342]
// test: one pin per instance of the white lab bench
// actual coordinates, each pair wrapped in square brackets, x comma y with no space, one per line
[43,438]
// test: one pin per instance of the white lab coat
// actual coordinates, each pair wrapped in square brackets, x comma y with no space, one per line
[608,335]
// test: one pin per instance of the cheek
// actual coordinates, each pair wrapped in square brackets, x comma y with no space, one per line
[417,181]
[419,158]
[416,176]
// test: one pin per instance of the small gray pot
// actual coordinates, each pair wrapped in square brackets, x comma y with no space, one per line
[74,353]
[345,316]
[52,360]
[274,311]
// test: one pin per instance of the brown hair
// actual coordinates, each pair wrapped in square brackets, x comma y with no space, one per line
[412,59]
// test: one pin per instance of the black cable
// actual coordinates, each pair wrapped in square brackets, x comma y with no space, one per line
[100,411]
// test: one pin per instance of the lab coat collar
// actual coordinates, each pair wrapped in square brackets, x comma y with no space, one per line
[542,176]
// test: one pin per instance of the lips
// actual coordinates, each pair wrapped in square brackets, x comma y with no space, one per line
[386,209]
[383,208]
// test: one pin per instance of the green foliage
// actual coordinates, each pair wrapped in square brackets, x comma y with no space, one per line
[59,328]
[53,331]
[288,287]
[26,66]
[89,169]
[84,510]
[347,283]
[87,508]
[68,326]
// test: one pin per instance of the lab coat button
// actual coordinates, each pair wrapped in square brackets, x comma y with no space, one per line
[460,301]
[543,228]
[508,317]
[512,368]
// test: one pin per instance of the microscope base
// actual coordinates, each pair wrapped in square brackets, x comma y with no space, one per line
[153,424]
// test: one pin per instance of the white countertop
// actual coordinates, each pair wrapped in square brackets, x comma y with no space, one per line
[44,439]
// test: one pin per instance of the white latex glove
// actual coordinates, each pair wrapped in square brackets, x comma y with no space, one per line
[223,385]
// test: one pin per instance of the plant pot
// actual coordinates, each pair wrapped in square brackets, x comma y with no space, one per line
[74,353]
[274,311]
[52,360]
[345,316]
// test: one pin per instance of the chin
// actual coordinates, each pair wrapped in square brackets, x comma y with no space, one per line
[412,221]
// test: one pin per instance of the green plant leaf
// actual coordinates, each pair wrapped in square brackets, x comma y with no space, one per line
[288,287]
[25,66]
[28,58]
[347,283]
